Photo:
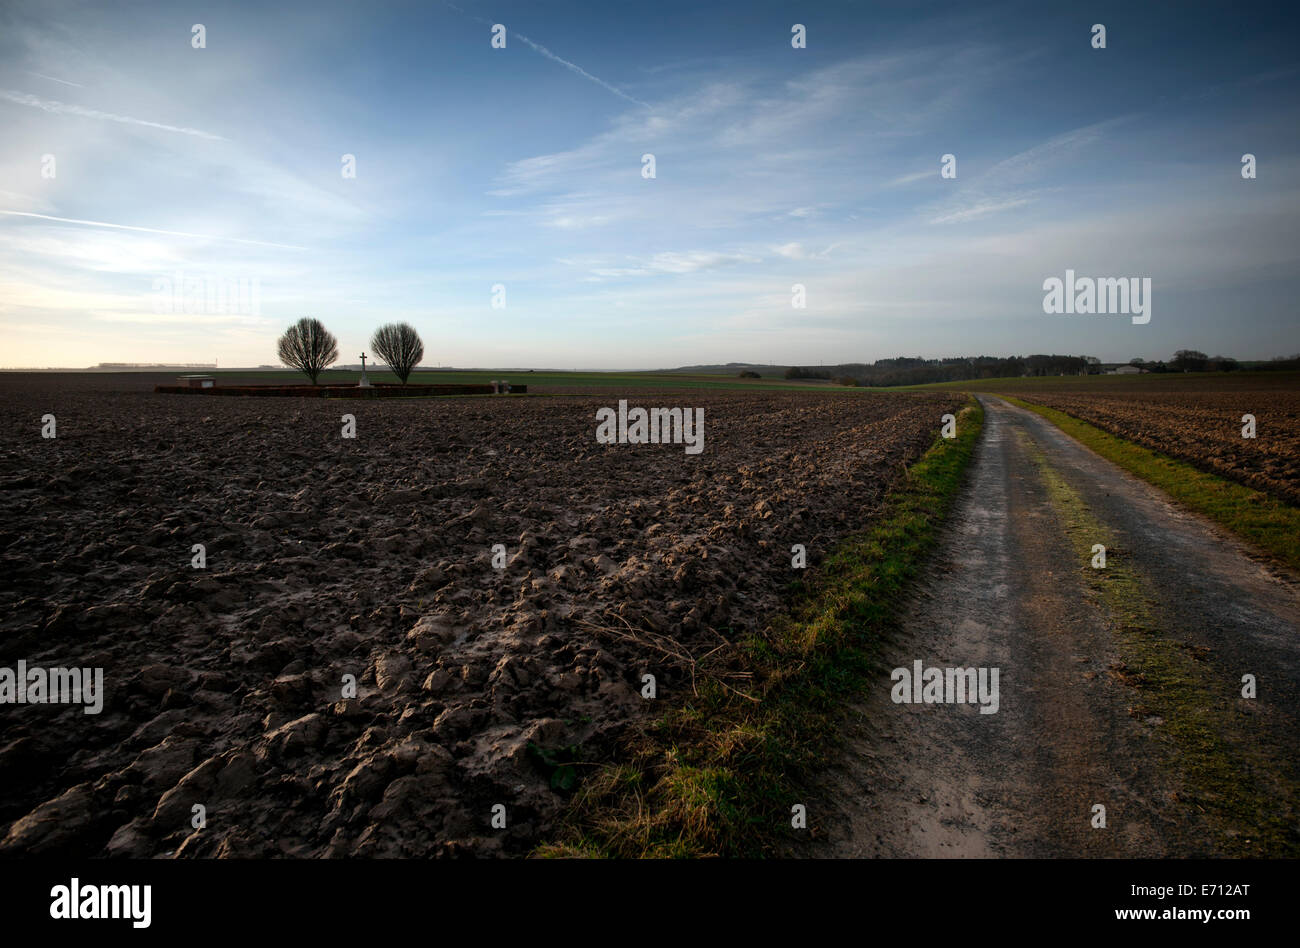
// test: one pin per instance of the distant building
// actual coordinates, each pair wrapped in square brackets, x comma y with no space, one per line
[1128,370]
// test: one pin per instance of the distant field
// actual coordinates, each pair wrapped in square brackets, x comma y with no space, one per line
[552,383]
[548,383]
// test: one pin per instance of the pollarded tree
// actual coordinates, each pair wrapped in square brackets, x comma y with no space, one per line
[400,347]
[308,347]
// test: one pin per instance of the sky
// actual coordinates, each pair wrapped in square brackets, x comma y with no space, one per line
[133,163]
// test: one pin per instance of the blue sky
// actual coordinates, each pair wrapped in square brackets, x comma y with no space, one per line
[522,167]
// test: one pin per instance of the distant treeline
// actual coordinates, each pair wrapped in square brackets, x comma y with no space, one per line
[909,371]
[917,371]
[121,366]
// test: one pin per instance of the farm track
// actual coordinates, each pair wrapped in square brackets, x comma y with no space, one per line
[1011,587]
[1203,428]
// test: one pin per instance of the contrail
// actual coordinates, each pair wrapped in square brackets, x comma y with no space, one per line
[151,230]
[52,105]
[580,71]
[551,56]
[52,79]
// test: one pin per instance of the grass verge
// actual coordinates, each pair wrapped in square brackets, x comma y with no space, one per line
[1266,522]
[718,773]
[1226,766]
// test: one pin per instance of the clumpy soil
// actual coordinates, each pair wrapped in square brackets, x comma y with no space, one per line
[372,557]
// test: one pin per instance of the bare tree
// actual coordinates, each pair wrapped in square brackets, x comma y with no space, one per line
[400,347]
[1189,360]
[308,347]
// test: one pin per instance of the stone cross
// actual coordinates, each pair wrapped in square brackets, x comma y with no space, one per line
[365,382]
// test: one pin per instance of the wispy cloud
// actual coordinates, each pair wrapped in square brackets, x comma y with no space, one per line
[1007,184]
[1032,162]
[147,318]
[914,177]
[671,261]
[38,75]
[65,108]
[980,208]
[568,223]
[151,230]
[797,251]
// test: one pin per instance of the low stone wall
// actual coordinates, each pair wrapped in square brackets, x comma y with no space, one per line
[337,391]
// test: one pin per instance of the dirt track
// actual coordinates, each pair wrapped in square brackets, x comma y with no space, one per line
[1010,589]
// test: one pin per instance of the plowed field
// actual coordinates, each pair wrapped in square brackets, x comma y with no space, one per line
[372,557]
[1202,426]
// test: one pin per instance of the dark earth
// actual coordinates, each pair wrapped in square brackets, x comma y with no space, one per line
[371,557]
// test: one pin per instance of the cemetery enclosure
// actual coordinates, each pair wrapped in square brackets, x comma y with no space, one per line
[326,557]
